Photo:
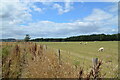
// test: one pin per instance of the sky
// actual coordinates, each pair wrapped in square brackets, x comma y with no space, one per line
[57,19]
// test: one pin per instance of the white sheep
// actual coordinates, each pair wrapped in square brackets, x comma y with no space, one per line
[101,49]
[85,43]
[80,42]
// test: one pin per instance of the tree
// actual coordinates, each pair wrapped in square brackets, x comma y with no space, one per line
[27,38]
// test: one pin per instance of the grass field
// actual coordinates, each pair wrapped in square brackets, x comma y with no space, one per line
[80,54]
[31,60]
[41,59]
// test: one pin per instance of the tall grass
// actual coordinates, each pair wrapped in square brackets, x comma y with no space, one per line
[32,60]
[79,54]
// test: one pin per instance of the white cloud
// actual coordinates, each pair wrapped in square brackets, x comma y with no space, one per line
[17,12]
[114,8]
[13,14]
[47,3]
[63,9]
[35,8]
[98,15]
[52,29]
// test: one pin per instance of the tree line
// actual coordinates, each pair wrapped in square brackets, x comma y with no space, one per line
[93,37]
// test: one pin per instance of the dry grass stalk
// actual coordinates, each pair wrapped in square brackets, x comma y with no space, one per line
[17,50]
[46,66]
[80,73]
[93,74]
[96,70]
[8,69]
[33,51]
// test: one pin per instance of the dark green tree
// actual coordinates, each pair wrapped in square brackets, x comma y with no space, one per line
[27,38]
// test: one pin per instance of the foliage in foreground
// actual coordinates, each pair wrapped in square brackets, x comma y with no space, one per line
[30,60]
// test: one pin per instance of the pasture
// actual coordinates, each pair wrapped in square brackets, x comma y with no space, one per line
[31,60]
[81,55]
[42,59]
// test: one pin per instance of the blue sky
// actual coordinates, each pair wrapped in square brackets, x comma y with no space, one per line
[79,11]
[58,19]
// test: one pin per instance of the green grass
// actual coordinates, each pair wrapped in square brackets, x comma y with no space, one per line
[74,52]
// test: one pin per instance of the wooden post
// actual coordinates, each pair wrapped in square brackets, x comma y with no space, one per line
[95,61]
[59,55]
[95,71]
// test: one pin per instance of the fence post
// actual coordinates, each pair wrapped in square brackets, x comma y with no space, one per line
[95,61]
[59,55]
[95,71]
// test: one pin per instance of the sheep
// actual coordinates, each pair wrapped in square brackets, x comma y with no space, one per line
[101,49]
[80,42]
[85,43]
